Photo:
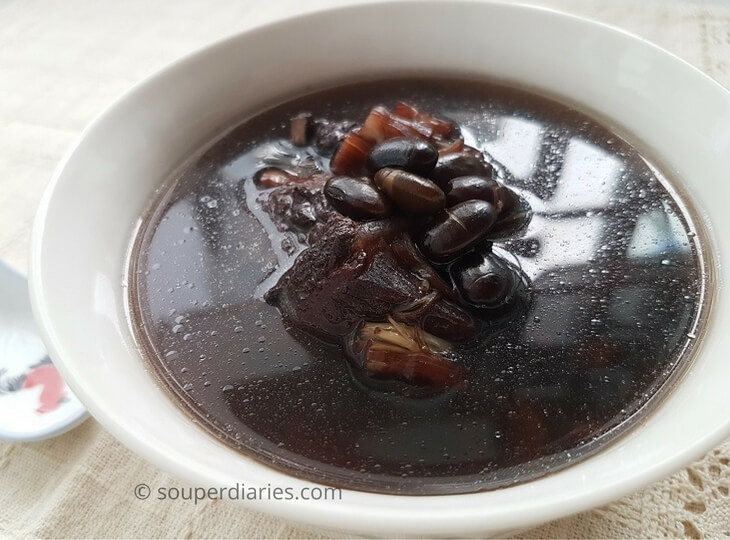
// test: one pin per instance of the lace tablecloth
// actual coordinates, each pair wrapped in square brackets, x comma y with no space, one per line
[62,62]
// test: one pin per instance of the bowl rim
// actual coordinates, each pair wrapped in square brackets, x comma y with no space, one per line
[379,519]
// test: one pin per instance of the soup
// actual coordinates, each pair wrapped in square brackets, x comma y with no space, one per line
[600,319]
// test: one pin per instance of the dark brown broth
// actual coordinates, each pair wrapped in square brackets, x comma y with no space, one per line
[616,270]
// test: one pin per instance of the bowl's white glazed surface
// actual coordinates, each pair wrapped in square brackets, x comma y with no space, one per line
[98,194]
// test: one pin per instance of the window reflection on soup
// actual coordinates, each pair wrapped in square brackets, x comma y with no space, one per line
[590,304]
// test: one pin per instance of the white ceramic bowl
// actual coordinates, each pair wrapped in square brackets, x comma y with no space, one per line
[94,202]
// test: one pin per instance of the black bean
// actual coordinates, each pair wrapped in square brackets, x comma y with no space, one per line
[413,155]
[464,188]
[508,200]
[514,215]
[467,162]
[410,192]
[485,279]
[458,229]
[356,198]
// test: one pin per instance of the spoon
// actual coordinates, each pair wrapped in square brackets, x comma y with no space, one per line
[35,402]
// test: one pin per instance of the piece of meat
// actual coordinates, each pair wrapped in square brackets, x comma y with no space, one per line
[350,274]
[328,135]
[298,206]
[302,294]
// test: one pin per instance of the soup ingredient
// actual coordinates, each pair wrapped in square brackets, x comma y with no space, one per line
[440,128]
[396,350]
[514,215]
[458,229]
[356,198]
[466,162]
[413,155]
[485,279]
[381,125]
[412,193]
[367,285]
[351,156]
[329,134]
[301,129]
[406,121]
[351,273]
[274,177]
[299,206]
[464,188]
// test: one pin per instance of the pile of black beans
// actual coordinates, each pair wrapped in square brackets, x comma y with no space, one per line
[456,205]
